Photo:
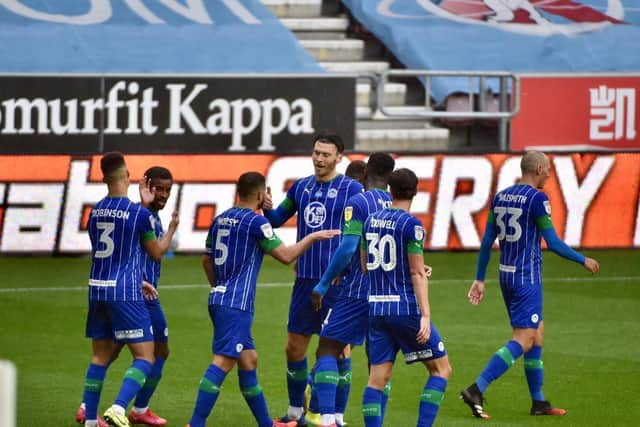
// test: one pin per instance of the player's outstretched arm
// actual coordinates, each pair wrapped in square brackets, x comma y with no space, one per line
[561,248]
[158,247]
[421,290]
[207,266]
[339,261]
[288,254]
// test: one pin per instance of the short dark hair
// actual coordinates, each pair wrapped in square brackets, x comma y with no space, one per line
[380,165]
[403,184]
[356,170]
[328,137]
[111,162]
[249,183]
[158,172]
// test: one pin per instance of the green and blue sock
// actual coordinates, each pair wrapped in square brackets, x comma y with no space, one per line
[533,369]
[499,363]
[92,389]
[150,385]
[134,379]
[430,400]
[208,393]
[254,397]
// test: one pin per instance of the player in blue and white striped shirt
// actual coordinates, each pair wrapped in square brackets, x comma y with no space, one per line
[158,181]
[319,200]
[236,243]
[399,312]
[348,318]
[119,230]
[519,216]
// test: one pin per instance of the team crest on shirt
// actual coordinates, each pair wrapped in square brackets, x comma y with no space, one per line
[315,214]
[418,232]
[547,206]
[267,231]
[348,213]
[332,194]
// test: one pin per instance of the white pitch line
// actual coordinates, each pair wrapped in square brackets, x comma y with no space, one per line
[289,284]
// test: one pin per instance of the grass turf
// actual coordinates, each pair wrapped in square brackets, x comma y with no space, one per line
[591,352]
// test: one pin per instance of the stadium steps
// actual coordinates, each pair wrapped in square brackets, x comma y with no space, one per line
[295,8]
[323,31]
[335,50]
[317,28]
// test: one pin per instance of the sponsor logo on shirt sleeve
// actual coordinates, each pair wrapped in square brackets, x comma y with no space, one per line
[348,213]
[267,231]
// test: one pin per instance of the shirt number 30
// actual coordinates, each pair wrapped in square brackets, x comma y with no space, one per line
[512,231]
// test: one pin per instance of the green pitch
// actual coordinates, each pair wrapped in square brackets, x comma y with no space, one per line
[591,353]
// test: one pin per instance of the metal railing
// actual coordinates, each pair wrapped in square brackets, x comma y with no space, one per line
[508,107]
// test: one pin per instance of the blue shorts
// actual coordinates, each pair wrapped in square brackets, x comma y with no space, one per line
[231,331]
[347,321]
[388,334]
[303,319]
[158,321]
[524,302]
[122,321]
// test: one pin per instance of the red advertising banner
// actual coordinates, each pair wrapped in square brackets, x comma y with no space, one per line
[578,113]
[45,200]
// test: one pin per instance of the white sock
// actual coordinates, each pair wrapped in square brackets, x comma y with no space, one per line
[340,418]
[118,409]
[327,419]
[83,406]
[295,412]
[140,410]
[91,423]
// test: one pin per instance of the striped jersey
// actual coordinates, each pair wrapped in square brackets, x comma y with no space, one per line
[117,227]
[320,206]
[236,243]
[520,213]
[359,207]
[151,268]
[390,235]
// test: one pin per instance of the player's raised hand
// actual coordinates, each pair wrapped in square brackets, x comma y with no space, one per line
[148,291]
[147,194]
[592,265]
[476,293]
[267,205]
[325,234]
[425,330]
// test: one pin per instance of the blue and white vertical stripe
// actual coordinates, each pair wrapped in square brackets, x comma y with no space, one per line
[116,228]
[391,288]
[320,206]
[233,245]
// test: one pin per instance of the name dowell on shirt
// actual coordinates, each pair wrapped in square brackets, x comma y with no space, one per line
[383,223]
